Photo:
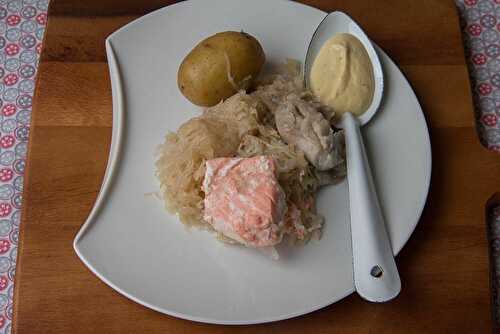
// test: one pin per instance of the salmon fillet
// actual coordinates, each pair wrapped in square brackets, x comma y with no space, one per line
[244,201]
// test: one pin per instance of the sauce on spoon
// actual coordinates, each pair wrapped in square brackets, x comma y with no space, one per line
[342,75]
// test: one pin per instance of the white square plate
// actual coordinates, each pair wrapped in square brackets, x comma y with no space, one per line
[146,254]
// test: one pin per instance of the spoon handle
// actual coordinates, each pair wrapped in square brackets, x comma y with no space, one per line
[376,276]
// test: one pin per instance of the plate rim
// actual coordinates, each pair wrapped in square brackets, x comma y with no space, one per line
[113,158]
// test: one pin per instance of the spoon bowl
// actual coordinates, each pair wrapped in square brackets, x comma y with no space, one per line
[336,23]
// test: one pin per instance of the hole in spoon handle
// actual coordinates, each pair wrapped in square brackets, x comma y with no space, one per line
[376,271]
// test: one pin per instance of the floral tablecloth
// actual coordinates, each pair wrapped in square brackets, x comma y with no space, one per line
[22,26]
[480,21]
[493,216]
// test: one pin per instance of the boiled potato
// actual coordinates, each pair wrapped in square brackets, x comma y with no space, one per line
[219,66]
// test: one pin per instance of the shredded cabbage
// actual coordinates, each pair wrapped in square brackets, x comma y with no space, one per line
[243,126]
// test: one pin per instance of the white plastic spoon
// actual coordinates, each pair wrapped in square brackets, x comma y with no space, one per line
[376,276]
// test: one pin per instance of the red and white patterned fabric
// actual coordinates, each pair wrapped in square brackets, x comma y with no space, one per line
[493,231]
[480,20]
[22,26]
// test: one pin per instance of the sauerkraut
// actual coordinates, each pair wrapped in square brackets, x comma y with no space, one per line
[181,163]
[244,126]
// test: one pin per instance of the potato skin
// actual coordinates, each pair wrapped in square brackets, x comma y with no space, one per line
[203,75]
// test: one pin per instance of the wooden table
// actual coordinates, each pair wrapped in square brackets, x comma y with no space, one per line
[444,267]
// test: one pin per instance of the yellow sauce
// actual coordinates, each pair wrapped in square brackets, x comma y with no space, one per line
[342,75]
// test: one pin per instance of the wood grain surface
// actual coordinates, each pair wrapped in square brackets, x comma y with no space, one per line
[444,266]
